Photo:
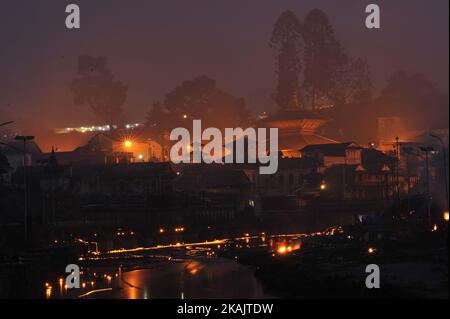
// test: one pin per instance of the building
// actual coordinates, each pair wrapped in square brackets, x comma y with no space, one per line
[14,152]
[328,155]
[297,127]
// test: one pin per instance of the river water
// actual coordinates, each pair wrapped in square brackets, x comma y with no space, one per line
[190,279]
[176,272]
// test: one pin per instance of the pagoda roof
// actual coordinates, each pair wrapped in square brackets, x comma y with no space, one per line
[300,141]
[294,119]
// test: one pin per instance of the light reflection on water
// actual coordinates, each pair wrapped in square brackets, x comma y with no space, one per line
[189,272]
[203,278]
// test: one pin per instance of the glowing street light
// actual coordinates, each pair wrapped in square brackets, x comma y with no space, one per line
[446,216]
[128,143]
[323,186]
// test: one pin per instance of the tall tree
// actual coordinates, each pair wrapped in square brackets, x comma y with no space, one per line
[96,86]
[351,82]
[330,75]
[286,39]
[322,56]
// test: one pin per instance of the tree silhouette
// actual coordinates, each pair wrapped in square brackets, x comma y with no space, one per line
[96,86]
[330,75]
[414,98]
[286,39]
[198,99]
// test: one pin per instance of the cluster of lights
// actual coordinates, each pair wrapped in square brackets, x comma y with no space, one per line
[84,285]
[84,129]
[284,249]
[179,229]
[131,126]
[94,128]
[122,233]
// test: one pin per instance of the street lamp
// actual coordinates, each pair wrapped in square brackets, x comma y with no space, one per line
[444,153]
[24,139]
[427,150]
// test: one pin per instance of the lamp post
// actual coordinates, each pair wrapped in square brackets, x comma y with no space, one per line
[427,150]
[24,139]
[397,167]
[444,153]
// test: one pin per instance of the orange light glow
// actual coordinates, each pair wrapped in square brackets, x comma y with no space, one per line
[371,250]
[48,292]
[128,143]
[194,271]
[435,228]
[446,216]
[323,186]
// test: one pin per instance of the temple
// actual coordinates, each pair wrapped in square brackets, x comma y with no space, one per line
[297,127]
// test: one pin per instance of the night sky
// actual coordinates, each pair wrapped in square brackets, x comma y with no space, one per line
[154,45]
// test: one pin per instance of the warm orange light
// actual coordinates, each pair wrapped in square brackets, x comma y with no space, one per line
[371,250]
[435,228]
[323,186]
[282,250]
[161,230]
[446,216]
[128,143]
[194,271]
[185,116]
[48,292]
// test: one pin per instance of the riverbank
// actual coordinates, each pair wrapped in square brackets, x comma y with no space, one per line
[334,267]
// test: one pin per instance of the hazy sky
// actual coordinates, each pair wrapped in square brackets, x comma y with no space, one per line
[153,45]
